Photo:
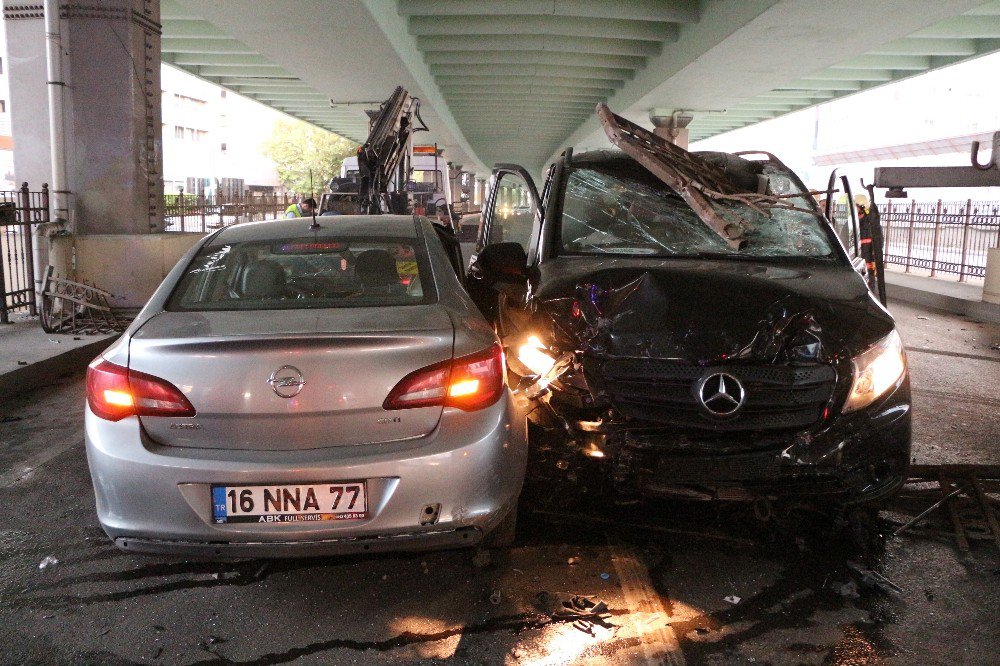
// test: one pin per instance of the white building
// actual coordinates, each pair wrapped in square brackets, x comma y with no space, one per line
[212,138]
[7,181]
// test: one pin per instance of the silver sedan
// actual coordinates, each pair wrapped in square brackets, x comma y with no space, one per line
[292,390]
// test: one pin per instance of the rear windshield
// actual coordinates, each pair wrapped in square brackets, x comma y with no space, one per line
[300,273]
[629,211]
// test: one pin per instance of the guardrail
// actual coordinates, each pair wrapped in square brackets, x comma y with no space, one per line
[943,237]
[190,212]
[17,268]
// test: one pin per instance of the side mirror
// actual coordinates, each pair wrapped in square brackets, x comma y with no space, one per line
[503,262]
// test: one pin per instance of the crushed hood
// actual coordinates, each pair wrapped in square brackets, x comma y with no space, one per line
[708,311]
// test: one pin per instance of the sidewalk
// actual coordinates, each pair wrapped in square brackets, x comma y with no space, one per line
[30,357]
[955,297]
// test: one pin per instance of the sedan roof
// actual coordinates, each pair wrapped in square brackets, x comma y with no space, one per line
[331,226]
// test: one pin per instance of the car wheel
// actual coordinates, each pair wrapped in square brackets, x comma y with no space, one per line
[502,536]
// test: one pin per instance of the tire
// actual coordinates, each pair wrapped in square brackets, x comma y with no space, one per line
[502,536]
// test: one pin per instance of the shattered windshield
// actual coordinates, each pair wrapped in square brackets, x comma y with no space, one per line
[628,211]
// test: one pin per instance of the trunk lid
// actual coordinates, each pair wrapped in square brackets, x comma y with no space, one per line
[237,367]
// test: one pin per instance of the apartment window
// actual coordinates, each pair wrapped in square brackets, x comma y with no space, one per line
[223,147]
[3,106]
[191,133]
[223,94]
[178,132]
[1,65]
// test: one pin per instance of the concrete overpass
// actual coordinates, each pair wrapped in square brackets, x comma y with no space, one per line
[515,81]
[518,81]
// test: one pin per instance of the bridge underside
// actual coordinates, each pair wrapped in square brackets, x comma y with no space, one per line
[518,81]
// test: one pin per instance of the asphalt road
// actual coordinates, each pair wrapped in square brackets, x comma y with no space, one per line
[665,591]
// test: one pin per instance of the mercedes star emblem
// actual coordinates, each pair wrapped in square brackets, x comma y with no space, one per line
[286,381]
[720,394]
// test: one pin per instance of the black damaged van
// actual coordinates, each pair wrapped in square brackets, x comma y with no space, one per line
[677,355]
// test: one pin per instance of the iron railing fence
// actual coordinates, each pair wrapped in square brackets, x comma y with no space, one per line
[17,268]
[941,237]
[196,213]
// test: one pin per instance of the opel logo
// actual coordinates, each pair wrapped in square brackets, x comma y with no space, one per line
[720,394]
[287,381]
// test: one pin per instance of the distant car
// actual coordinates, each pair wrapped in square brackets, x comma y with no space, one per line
[656,357]
[296,391]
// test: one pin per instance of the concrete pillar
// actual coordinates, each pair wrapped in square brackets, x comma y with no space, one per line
[991,286]
[480,198]
[671,126]
[111,66]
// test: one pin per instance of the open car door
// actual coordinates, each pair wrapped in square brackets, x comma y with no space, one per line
[508,236]
[862,237]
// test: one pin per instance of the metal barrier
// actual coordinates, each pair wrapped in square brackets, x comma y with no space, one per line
[17,267]
[190,212]
[942,237]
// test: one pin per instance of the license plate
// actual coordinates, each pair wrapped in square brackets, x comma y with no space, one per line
[290,503]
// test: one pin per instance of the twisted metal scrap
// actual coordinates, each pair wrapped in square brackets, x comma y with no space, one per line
[77,307]
[696,180]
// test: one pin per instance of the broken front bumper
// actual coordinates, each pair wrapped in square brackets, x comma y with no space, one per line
[859,457]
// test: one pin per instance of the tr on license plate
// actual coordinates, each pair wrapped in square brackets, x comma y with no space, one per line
[290,503]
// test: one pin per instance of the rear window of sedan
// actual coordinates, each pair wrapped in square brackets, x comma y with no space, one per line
[302,273]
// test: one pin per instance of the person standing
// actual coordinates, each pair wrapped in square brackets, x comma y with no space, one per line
[302,209]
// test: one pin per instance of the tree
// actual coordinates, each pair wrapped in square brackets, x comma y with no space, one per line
[296,148]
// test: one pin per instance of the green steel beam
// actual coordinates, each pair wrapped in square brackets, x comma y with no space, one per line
[192,59]
[500,81]
[428,43]
[907,62]
[571,71]
[269,82]
[522,108]
[820,85]
[530,96]
[575,92]
[543,25]
[271,96]
[277,92]
[843,74]
[251,71]
[533,58]
[677,11]
[170,44]
[928,47]
[793,94]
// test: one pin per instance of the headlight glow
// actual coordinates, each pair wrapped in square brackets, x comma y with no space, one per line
[532,354]
[876,370]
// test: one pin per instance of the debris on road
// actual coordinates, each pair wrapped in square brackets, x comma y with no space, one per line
[848,590]
[573,560]
[48,561]
[495,598]
[605,576]
[733,599]
[873,579]
[958,502]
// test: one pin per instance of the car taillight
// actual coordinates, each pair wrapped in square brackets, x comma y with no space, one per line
[114,392]
[469,383]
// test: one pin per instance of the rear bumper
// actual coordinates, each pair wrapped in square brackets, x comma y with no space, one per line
[457,538]
[153,498]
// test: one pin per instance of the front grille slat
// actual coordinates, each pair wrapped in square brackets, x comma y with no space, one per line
[663,391]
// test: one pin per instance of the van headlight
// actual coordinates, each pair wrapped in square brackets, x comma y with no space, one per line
[535,356]
[876,370]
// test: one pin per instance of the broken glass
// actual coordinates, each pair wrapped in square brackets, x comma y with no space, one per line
[629,212]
